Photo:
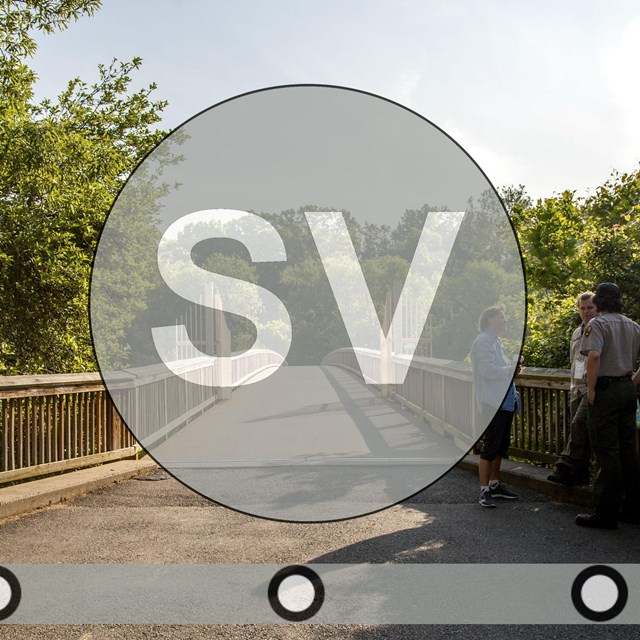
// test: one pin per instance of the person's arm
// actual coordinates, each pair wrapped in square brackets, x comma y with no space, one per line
[485,361]
[593,368]
[636,380]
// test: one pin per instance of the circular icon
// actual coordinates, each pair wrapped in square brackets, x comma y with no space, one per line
[599,593]
[296,593]
[10,593]
[284,297]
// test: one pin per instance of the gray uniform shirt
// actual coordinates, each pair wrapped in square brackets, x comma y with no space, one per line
[617,338]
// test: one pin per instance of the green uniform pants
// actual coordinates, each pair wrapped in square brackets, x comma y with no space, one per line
[576,456]
[612,431]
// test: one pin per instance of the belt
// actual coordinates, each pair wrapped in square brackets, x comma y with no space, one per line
[614,378]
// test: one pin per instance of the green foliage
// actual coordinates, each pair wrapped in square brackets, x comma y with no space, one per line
[63,161]
[552,230]
[612,243]
[550,324]
[19,18]
[570,245]
[61,164]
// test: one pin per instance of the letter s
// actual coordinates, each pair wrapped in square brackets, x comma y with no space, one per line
[243,298]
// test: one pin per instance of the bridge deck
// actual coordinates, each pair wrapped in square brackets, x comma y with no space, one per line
[307,414]
[312,443]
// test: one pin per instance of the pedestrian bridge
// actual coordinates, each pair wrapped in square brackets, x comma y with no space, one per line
[305,435]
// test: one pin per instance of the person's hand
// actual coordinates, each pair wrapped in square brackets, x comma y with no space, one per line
[591,396]
[519,365]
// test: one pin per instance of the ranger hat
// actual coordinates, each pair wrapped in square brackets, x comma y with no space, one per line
[608,290]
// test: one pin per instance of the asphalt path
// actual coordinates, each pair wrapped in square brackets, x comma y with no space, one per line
[158,520]
[314,443]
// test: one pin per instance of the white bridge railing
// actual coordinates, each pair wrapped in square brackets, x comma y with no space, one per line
[442,392]
[439,390]
[53,423]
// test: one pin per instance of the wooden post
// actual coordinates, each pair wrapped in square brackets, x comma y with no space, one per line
[218,339]
[114,426]
[386,361]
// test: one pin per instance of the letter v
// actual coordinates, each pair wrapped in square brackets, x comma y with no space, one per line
[352,295]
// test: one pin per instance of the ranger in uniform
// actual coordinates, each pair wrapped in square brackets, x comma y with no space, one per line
[611,343]
[572,467]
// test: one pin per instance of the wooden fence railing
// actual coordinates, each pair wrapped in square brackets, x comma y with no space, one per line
[441,391]
[541,428]
[158,400]
[58,422]
[52,423]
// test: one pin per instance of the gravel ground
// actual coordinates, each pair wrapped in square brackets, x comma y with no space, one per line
[154,519]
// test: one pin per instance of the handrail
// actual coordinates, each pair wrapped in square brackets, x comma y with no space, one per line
[55,422]
[52,423]
[540,430]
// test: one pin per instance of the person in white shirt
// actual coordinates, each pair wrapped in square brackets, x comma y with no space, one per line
[572,467]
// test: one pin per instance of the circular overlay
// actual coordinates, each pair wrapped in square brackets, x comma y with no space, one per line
[10,593]
[296,593]
[285,296]
[599,593]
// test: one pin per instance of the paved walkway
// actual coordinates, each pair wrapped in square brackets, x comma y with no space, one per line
[136,514]
[314,443]
[153,520]
[305,414]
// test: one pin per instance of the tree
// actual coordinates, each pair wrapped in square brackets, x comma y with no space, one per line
[611,247]
[569,245]
[62,162]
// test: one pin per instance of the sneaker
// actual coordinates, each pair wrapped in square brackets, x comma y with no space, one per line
[500,491]
[486,499]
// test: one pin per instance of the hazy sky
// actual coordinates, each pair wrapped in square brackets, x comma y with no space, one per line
[543,94]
